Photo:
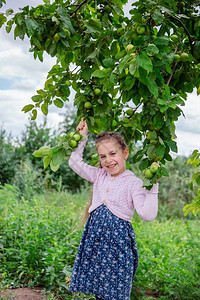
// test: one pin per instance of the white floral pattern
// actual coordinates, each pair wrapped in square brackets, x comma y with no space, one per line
[107,257]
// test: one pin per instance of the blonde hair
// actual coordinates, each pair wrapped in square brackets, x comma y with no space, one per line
[99,138]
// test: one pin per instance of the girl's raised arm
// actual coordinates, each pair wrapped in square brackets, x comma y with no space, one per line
[76,162]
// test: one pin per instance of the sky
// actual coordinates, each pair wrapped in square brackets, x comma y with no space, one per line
[21,76]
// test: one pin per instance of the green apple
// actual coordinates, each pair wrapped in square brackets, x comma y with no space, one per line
[129,112]
[88,104]
[174,38]
[198,91]
[71,134]
[68,82]
[126,120]
[82,98]
[56,37]
[72,143]
[154,168]
[129,47]
[148,135]
[133,54]
[67,32]
[108,9]
[148,173]
[120,31]
[99,15]
[97,92]
[177,57]
[77,137]
[141,29]
[184,56]
[134,35]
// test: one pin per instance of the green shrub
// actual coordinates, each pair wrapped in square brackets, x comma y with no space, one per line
[39,241]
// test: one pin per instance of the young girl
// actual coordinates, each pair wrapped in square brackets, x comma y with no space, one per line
[107,257]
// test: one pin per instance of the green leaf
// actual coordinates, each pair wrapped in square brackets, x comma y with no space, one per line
[53,167]
[27,108]
[42,151]
[144,164]
[160,150]
[130,81]
[34,114]
[93,25]
[9,11]
[158,17]
[31,25]
[173,146]
[120,54]
[151,151]
[58,158]
[168,68]
[161,40]
[133,67]
[54,19]
[153,88]
[152,50]
[44,109]
[62,11]
[46,161]
[86,73]
[158,121]
[166,92]
[92,120]
[108,62]
[198,180]
[58,102]
[101,73]
[145,62]
[123,63]
[3,19]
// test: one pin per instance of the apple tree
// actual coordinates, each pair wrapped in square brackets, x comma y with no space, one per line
[130,74]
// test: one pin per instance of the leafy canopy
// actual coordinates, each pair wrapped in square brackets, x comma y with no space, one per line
[145,64]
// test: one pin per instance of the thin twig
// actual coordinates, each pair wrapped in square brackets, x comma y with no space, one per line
[171,75]
[186,30]
[78,7]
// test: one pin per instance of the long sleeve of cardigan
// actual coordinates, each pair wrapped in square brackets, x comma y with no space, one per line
[77,164]
[145,201]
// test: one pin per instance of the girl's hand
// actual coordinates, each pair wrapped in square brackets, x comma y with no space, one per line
[82,128]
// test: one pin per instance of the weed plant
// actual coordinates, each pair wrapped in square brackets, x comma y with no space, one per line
[39,239]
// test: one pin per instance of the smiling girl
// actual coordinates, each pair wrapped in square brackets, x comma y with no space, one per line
[107,257]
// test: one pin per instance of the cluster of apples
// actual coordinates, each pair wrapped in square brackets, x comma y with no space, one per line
[149,172]
[182,56]
[74,139]
[88,104]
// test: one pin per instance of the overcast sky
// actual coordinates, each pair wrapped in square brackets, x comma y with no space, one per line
[21,76]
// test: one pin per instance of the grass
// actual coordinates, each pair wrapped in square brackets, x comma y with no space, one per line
[39,241]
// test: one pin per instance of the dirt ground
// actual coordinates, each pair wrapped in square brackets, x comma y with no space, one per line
[22,294]
[36,294]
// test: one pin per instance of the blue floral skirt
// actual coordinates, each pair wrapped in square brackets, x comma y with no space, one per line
[107,257]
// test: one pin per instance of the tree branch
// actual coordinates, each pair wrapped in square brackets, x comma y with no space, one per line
[171,75]
[186,30]
[78,6]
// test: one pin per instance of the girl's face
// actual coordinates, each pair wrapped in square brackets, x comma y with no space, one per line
[112,157]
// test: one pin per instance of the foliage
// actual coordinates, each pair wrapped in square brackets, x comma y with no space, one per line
[35,136]
[39,241]
[195,205]
[145,63]
[29,180]
[9,157]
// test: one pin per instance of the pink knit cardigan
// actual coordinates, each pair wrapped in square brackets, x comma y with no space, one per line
[121,194]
